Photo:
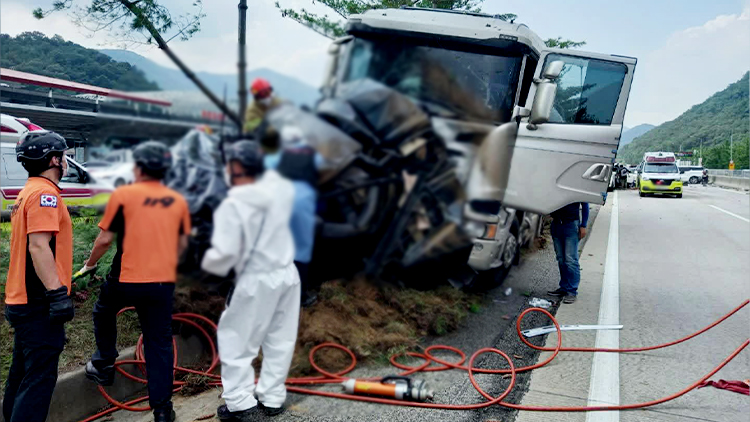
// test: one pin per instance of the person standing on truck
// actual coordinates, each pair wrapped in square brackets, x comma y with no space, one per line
[568,228]
[37,293]
[252,238]
[298,162]
[263,102]
[150,223]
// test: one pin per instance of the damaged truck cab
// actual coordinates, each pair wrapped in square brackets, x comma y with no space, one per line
[530,128]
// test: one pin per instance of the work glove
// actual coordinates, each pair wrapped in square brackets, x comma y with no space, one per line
[84,271]
[61,309]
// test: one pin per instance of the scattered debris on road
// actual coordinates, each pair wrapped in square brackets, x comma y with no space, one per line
[540,303]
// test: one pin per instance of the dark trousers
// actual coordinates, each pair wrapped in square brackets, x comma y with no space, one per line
[153,302]
[565,240]
[303,268]
[33,372]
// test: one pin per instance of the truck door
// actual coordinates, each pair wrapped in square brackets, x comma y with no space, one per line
[569,159]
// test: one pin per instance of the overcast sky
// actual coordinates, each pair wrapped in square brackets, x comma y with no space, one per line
[686,49]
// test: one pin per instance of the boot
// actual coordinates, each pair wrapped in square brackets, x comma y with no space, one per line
[252,414]
[164,414]
[104,376]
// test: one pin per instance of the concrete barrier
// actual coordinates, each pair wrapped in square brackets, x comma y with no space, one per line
[731,182]
[76,397]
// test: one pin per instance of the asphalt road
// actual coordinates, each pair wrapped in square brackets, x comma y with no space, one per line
[683,263]
[675,266]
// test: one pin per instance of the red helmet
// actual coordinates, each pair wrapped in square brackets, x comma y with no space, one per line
[261,88]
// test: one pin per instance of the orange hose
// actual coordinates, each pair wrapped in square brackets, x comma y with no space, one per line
[293,384]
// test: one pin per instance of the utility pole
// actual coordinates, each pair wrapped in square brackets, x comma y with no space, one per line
[731,145]
[241,64]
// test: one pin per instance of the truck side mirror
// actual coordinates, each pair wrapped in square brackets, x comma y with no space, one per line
[544,99]
[334,50]
[553,70]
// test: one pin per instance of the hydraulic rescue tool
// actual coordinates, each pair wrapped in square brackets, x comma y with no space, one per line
[396,387]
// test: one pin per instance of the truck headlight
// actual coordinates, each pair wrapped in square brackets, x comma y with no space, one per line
[474,229]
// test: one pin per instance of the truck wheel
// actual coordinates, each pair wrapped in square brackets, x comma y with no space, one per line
[641,194]
[694,180]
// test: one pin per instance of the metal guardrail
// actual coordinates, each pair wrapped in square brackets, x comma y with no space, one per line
[730,173]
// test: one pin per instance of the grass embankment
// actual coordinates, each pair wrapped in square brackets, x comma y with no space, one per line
[374,322]
[80,331]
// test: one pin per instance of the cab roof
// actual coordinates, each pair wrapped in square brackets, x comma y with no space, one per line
[449,23]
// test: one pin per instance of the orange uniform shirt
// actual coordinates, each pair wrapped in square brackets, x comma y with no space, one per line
[38,209]
[148,219]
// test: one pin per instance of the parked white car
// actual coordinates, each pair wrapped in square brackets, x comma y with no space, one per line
[116,174]
[691,174]
[12,128]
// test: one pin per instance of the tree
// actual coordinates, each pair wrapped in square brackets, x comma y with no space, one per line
[61,59]
[334,28]
[142,21]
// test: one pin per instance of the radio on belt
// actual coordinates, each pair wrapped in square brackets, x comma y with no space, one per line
[396,387]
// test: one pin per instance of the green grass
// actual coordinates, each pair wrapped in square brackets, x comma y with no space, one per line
[80,331]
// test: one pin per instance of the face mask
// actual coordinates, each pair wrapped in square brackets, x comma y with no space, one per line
[266,101]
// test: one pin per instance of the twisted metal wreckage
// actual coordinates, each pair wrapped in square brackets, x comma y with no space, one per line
[391,192]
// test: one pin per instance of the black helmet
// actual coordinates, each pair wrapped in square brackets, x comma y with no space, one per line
[248,154]
[34,146]
[154,157]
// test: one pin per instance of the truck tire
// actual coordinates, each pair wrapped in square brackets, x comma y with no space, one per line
[694,180]
[641,194]
[679,195]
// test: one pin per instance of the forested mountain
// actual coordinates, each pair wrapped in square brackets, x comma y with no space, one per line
[708,125]
[169,79]
[628,135]
[33,52]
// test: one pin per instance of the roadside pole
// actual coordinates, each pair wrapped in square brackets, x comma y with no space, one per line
[241,64]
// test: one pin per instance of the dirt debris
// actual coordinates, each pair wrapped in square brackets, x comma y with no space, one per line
[374,322]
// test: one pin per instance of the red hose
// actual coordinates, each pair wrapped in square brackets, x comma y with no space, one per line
[293,384]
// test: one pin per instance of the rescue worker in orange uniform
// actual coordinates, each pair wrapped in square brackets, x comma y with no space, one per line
[37,293]
[150,223]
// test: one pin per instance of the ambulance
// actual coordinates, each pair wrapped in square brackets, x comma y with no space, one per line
[659,175]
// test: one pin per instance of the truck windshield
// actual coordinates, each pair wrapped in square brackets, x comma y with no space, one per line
[661,168]
[470,84]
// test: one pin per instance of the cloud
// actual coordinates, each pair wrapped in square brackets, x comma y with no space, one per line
[17,18]
[692,65]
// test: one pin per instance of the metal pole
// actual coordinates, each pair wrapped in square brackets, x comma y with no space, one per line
[731,149]
[241,64]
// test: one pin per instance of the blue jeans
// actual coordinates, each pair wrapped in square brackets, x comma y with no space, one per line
[565,239]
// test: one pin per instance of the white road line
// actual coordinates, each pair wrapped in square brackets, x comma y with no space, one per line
[730,213]
[604,388]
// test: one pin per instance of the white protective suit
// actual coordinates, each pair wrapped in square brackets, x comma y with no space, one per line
[251,235]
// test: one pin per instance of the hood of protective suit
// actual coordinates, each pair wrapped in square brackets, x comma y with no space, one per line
[251,228]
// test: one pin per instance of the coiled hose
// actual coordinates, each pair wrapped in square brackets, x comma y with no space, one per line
[302,385]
